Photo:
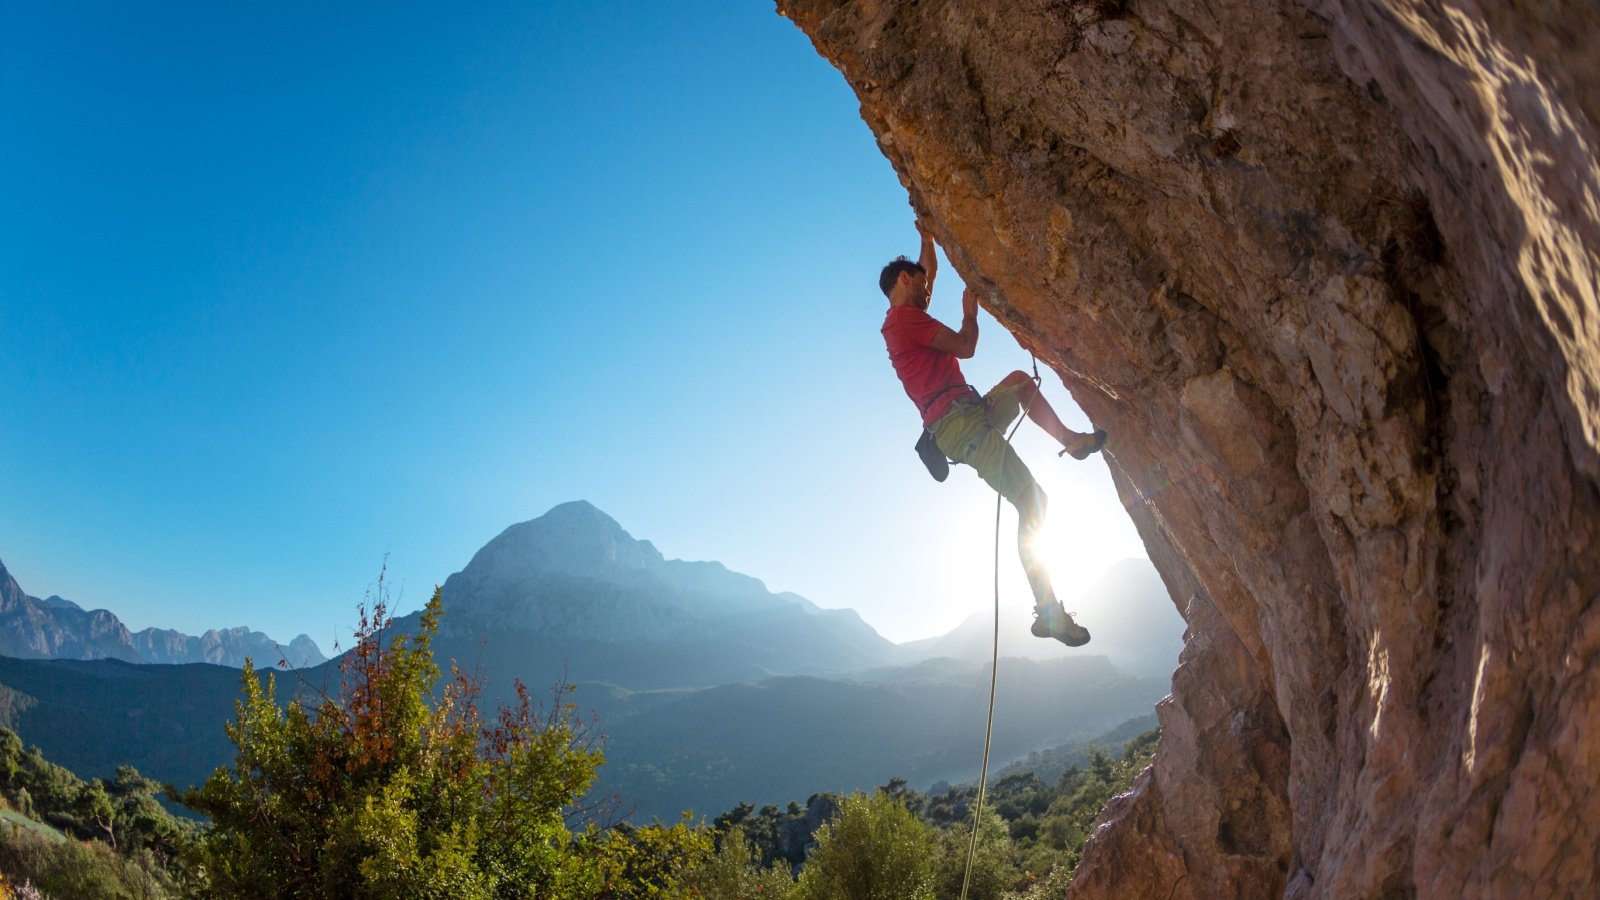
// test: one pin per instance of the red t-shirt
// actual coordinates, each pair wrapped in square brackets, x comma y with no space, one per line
[928,374]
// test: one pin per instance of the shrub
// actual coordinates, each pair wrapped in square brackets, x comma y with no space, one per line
[993,871]
[69,868]
[874,849]
[735,873]
[391,790]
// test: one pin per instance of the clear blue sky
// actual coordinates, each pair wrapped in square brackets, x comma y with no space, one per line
[285,288]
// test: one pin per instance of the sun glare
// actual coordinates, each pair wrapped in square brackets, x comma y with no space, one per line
[1085,532]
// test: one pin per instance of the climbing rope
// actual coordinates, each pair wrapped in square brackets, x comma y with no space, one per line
[994,664]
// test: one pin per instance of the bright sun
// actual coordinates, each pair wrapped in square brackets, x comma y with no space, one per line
[1086,531]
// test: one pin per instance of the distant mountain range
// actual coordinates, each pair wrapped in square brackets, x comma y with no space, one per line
[56,628]
[710,688]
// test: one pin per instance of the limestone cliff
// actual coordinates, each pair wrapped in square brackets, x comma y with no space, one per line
[1327,273]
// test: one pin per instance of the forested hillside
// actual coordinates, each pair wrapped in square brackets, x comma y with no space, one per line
[70,838]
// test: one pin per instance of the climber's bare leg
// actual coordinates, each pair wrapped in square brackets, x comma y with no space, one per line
[1031,508]
[1040,411]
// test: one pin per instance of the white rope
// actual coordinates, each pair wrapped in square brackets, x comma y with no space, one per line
[994,664]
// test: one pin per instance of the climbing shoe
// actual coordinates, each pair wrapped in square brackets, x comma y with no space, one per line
[1052,621]
[1092,444]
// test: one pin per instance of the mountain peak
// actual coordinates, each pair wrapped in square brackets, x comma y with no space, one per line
[56,601]
[10,592]
[573,538]
[576,509]
[575,574]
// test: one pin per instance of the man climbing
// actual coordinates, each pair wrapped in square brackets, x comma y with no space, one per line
[970,428]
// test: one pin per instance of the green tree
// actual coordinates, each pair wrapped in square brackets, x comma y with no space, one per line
[11,752]
[993,871]
[94,809]
[650,862]
[141,822]
[735,872]
[135,841]
[397,788]
[874,849]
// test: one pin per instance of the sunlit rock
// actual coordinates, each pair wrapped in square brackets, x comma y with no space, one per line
[1328,274]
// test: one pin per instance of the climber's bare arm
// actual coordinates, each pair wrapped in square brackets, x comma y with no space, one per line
[961,344]
[928,259]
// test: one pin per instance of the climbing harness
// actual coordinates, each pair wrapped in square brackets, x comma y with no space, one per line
[934,459]
[994,663]
[928,448]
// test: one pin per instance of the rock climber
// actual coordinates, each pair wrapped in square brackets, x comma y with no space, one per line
[969,427]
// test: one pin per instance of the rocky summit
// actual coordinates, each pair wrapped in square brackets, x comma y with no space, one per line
[1328,272]
[573,595]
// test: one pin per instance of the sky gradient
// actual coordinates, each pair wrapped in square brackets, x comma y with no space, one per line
[289,290]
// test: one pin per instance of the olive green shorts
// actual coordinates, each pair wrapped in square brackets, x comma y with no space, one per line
[975,433]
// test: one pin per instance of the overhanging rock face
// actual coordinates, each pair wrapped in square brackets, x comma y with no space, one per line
[1327,273]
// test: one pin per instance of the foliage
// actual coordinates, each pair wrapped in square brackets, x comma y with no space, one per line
[1031,837]
[124,813]
[1069,818]
[993,869]
[70,868]
[875,849]
[135,843]
[780,838]
[735,872]
[649,862]
[398,788]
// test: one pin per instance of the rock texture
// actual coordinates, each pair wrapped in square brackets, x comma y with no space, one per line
[1327,273]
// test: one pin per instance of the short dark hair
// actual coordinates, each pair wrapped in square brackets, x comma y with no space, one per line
[891,272]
